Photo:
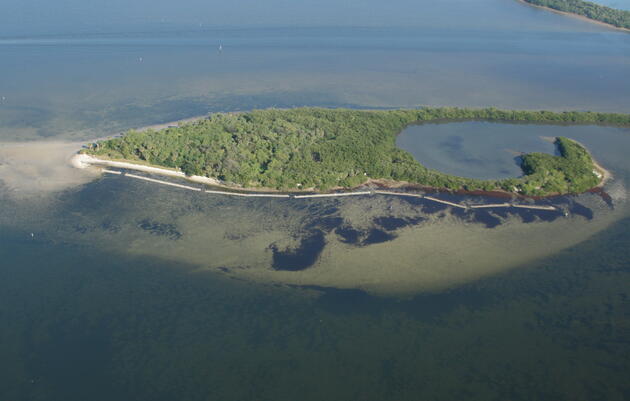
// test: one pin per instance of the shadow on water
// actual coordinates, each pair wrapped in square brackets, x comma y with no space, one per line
[581,210]
[390,223]
[144,329]
[326,224]
[82,324]
[424,306]
[486,218]
[376,236]
[160,229]
[301,257]
[73,350]
[349,235]
[560,275]
[382,231]
[323,220]
[313,241]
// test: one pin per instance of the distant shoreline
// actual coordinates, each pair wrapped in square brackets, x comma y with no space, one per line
[574,15]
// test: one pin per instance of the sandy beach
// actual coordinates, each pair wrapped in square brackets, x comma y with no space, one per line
[82,161]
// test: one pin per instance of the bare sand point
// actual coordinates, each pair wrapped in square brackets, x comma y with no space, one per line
[34,167]
[83,161]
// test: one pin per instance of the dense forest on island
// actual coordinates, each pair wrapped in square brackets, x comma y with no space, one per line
[321,149]
[594,11]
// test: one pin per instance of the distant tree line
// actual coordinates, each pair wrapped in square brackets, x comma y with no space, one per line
[612,16]
[325,148]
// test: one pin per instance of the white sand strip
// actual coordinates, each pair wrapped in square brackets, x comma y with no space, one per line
[446,202]
[82,161]
[332,195]
[536,207]
[162,182]
[398,194]
[490,205]
[208,191]
[266,195]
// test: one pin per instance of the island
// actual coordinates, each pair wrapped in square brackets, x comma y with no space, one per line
[593,11]
[320,149]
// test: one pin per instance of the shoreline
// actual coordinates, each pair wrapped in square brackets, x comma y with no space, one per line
[90,155]
[578,16]
[155,127]
[606,175]
[159,127]
[371,192]
[83,161]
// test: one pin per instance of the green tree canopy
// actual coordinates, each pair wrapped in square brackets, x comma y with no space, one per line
[325,148]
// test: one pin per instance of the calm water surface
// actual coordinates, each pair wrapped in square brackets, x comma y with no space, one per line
[87,86]
[120,289]
[489,150]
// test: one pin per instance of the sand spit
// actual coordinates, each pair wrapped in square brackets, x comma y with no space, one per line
[82,161]
[28,168]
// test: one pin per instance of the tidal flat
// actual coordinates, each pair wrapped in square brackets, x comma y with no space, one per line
[384,245]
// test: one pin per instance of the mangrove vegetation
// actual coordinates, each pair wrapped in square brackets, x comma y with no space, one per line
[594,11]
[321,149]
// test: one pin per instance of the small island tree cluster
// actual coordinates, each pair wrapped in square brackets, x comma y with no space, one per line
[320,149]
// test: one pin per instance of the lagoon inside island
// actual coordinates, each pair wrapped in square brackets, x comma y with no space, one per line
[315,149]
